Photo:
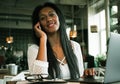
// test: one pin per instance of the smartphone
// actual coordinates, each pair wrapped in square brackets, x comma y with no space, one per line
[39,26]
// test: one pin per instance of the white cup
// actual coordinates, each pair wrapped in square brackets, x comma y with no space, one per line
[13,69]
[85,65]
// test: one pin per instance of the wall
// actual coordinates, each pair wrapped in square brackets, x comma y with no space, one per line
[22,37]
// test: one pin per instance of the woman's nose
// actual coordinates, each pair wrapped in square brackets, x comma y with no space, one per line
[49,18]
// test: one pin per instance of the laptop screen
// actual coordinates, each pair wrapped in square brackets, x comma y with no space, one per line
[112,71]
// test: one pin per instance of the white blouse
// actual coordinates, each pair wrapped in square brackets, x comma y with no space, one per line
[41,67]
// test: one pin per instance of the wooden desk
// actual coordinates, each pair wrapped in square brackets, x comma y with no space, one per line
[86,81]
[80,81]
[26,82]
[5,77]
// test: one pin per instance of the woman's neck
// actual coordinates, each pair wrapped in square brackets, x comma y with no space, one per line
[54,39]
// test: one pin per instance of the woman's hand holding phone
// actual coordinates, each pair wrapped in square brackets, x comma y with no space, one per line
[39,32]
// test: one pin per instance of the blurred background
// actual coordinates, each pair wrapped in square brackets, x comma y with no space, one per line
[91,20]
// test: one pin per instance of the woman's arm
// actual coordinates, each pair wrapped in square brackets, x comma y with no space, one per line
[36,66]
[78,53]
[42,52]
[37,56]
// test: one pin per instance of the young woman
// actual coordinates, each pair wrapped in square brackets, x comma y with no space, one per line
[53,53]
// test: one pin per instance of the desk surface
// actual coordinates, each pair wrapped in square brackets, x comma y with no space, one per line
[88,80]
[79,81]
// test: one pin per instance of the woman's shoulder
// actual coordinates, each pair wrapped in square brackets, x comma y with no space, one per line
[74,43]
[33,46]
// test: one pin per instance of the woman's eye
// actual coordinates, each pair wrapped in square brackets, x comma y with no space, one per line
[42,18]
[51,14]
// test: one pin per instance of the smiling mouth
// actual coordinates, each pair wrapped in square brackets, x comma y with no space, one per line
[51,24]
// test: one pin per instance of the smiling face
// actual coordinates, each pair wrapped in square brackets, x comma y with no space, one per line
[49,20]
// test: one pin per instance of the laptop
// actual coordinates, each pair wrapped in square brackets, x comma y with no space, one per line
[112,70]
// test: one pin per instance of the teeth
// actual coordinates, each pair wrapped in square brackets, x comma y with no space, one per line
[50,24]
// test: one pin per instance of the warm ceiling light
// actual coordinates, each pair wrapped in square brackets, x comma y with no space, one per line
[9,39]
[73,33]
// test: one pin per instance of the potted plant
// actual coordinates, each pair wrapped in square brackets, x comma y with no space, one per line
[101,60]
